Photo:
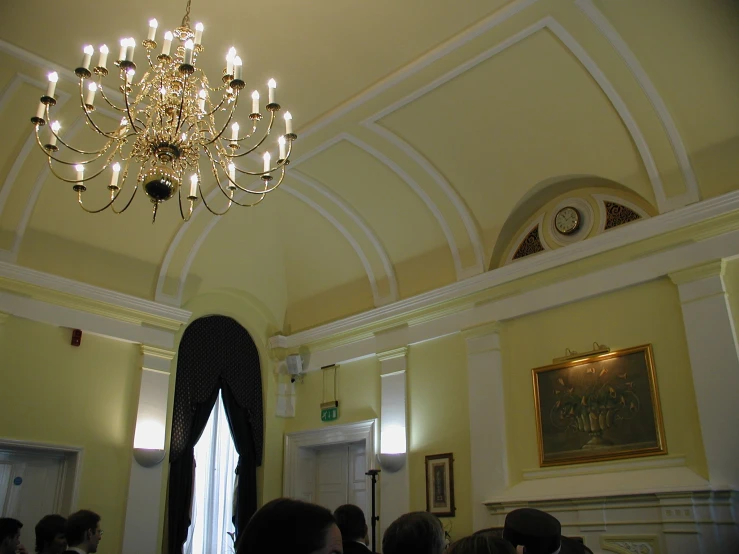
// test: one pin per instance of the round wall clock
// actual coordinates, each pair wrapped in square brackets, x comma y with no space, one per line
[567,220]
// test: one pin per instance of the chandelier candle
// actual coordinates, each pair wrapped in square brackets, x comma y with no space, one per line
[272,86]
[89,51]
[174,128]
[153,24]
[53,78]
[103,59]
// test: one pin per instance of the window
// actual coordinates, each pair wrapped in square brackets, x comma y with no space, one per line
[215,466]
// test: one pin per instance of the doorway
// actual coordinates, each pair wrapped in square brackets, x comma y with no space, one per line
[36,480]
[327,466]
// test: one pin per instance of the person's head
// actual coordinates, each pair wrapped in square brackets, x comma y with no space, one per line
[287,525]
[537,531]
[10,535]
[572,546]
[351,522]
[414,533]
[50,537]
[481,543]
[83,530]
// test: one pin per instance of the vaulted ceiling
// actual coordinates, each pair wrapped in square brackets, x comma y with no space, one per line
[422,130]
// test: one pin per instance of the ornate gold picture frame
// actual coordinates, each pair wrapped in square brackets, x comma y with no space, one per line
[601,407]
[440,485]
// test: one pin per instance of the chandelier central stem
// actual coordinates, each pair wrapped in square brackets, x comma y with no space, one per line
[186,19]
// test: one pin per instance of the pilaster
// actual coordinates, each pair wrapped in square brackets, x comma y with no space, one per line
[489,467]
[144,501]
[714,359]
[394,486]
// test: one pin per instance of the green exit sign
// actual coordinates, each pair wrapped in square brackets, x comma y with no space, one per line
[330,411]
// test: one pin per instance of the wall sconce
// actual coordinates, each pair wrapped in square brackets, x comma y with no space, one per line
[148,457]
[392,454]
[148,443]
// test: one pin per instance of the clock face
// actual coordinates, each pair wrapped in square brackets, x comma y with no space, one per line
[567,220]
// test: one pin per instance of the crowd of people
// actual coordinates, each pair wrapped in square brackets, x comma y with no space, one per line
[295,527]
[80,533]
[287,526]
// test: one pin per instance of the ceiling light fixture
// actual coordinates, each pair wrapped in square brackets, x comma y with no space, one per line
[173,122]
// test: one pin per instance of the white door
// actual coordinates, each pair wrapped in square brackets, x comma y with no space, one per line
[357,478]
[30,488]
[332,476]
[306,475]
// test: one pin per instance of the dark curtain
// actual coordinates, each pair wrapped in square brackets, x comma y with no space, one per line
[245,503]
[181,474]
[215,353]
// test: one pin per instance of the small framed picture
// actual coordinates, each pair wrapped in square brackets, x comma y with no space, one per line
[440,485]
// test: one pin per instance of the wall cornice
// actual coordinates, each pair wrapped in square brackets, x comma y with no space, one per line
[657,239]
[68,293]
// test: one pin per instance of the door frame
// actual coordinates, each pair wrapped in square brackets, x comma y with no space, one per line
[69,480]
[327,436]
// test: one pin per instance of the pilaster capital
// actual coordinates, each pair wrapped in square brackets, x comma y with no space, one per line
[156,359]
[393,353]
[483,338]
[701,281]
[715,268]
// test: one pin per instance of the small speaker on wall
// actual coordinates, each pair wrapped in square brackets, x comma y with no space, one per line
[76,337]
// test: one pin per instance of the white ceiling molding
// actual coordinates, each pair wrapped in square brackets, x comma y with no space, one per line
[621,236]
[43,175]
[432,207]
[585,60]
[465,215]
[692,193]
[500,16]
[362,224]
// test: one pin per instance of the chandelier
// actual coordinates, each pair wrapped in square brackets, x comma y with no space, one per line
[175,128]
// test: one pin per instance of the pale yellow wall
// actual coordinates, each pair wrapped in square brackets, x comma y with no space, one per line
[439,422]
[649,313]
[82,396]
[358,392]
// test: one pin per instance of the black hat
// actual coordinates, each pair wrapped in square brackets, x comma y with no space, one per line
[538,531]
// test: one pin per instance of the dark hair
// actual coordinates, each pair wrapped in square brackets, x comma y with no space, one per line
[47,529]
[286,525]
[9,527]
[414,533]
[351,522]
[481,543]
[78,524]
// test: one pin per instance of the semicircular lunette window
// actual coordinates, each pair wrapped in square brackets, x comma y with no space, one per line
[531,244]
[616,215]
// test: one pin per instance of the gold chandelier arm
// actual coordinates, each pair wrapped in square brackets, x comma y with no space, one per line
[229,194]
[280,165]
[128,107]
[73,181]
[179,203]
[182,104]
[228,206]
[108,205]
[107,100]
[225,126]
[87,113]
[97,153]
[133,195]
[257,145]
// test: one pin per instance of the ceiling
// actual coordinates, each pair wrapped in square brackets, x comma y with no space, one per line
[421,133]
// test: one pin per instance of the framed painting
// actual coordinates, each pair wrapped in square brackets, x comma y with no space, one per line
[440,485]
[602,407]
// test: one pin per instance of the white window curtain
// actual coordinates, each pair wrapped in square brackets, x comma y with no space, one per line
[212,507]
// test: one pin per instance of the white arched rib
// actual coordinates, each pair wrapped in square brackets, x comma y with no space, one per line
[369,233]
[161,296]
[464,214]
[433,208]
[692,193]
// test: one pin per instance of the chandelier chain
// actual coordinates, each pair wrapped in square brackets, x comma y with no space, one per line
[186,19]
